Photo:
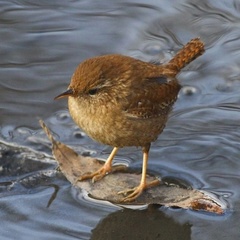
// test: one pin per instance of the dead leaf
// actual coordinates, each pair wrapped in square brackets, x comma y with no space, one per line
[73,165]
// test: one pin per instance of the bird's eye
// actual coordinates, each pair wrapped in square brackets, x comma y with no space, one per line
[92,91]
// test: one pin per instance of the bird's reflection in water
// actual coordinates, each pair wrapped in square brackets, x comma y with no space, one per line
[149,224]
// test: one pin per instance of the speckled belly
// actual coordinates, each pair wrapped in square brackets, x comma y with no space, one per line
[113,127]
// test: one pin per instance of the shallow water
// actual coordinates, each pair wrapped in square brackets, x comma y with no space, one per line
[41,45]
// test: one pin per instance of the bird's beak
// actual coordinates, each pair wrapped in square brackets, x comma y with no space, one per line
[68,93]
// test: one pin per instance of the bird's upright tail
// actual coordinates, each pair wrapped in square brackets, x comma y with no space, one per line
[187,54]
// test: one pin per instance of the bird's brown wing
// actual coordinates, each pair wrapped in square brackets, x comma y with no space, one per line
[152,99]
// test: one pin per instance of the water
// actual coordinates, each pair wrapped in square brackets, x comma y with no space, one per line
[42,42]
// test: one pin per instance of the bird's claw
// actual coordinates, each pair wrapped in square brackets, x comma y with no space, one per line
[136,192]
[100,173]
[95,176]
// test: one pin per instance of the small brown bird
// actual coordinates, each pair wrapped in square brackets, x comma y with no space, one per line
[121,101]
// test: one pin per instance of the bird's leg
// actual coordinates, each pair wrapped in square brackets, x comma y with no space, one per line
[100,173]
[143,183]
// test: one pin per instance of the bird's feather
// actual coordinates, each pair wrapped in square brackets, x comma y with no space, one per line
[152,98]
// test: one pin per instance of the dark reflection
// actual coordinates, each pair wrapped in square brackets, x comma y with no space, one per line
[26,171]
[17,161]
[146,224]
[54,195]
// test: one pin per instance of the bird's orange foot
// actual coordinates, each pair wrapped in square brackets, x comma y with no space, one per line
[100,173]
[137,191]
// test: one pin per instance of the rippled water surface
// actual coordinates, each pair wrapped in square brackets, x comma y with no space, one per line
[42,42]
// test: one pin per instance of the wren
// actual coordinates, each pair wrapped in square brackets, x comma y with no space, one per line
[121,101]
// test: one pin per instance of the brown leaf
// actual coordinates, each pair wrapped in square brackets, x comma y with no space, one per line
[73,166]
